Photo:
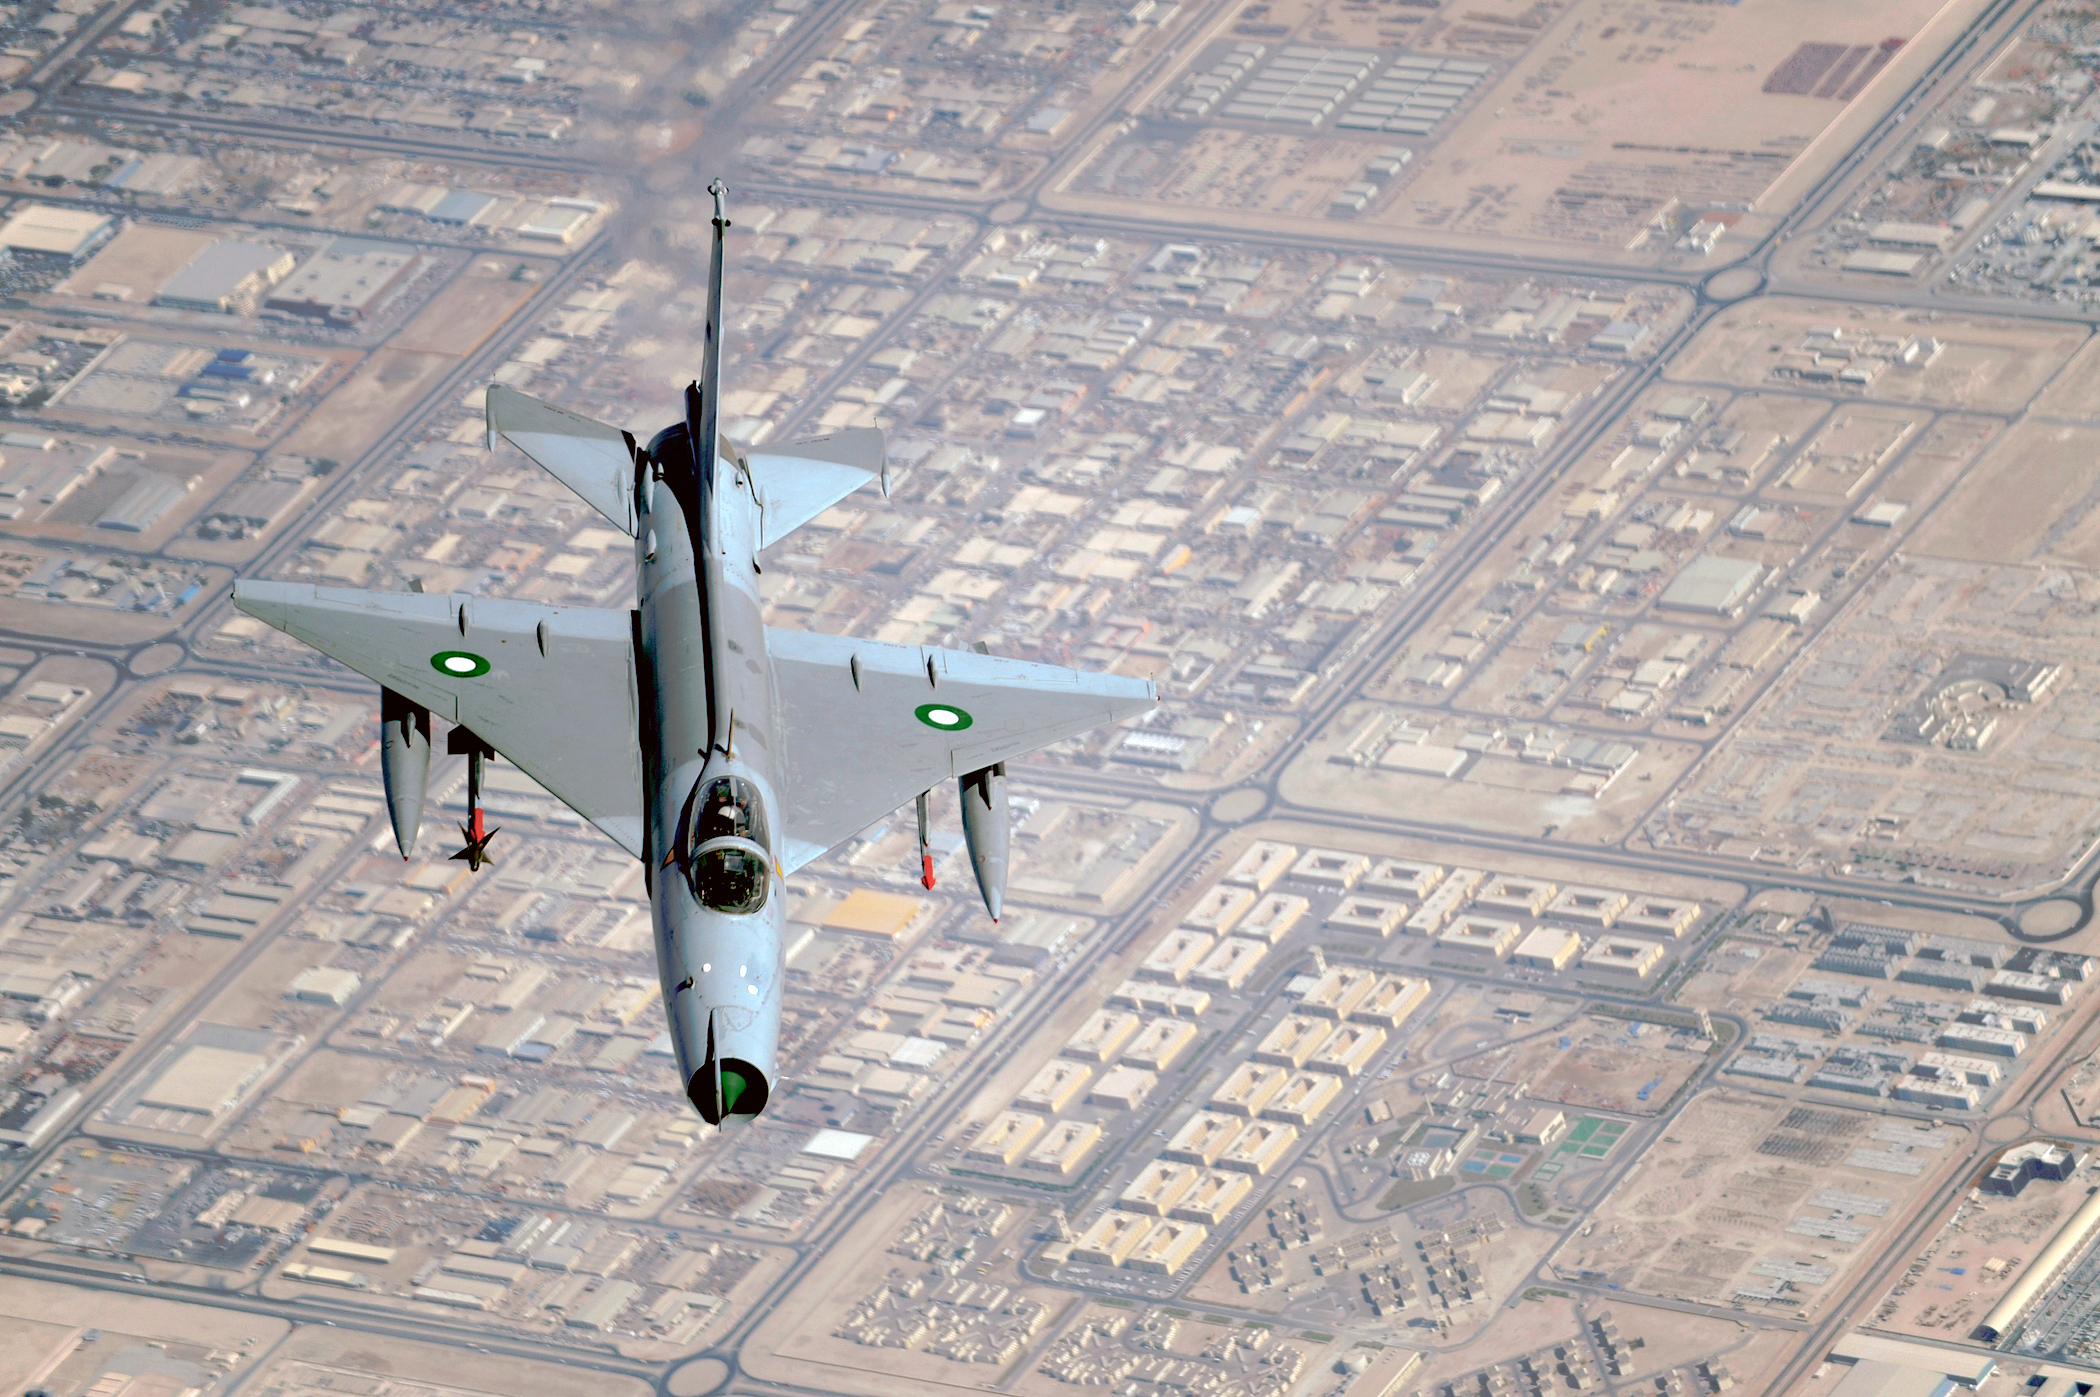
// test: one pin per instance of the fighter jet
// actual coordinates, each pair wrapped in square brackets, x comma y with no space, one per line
[721,752]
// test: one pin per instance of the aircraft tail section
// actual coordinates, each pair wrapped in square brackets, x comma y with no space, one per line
[800,480]
[703,400]
[594,460]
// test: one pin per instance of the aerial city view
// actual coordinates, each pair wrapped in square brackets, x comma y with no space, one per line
[1363,698]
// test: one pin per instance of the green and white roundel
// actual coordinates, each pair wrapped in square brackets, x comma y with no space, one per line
[943,717]
[459,664]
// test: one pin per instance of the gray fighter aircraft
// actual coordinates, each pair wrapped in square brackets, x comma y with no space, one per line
[722,753]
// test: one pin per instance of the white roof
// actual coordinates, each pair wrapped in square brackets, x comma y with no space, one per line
[45,228]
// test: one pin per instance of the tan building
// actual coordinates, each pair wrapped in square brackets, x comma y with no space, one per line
[1181,1001]
[1173,960]
[1063,1149]
[1482,936]
[1220,909]
[1203,1138]
[1659,916]
[1158,1187]
[1160,1044]
[1006,1139]
[1447,901]
[1515,897]
[1104,1035]
[1333,867]
[1293,1041]
[1391,1001]
[1373,916]
[1259,1148]
[1212,1197]
[1336,994]
[1597,907]
[1122,1088]
[1545,1126]
[1273,917]
[1229,963]
[1304,1098]
[1350,1051]
[1263,864]
[1055,1086]
[1248,1089]
[1404,878]
[1622,955]
[1547,948]
[1112,1238]
[1167,1247]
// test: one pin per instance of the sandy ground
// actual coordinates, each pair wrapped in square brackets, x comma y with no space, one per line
[1987,365]
[1560,150]
[1690,1222]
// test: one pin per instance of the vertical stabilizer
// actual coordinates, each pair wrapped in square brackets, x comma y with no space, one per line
[703,401]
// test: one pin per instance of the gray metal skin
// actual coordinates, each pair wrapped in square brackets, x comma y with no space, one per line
[709,710]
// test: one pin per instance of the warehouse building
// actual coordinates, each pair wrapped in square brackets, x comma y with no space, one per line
[227,278]
[2069,1241]
[46,231]
[346,283]
[1713,586]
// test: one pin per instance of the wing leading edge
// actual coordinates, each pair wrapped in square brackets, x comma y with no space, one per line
[551,688]
[868,726]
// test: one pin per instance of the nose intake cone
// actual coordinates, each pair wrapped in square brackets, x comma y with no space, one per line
[727,1087]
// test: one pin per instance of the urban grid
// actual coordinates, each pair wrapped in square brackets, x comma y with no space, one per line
[1608,490]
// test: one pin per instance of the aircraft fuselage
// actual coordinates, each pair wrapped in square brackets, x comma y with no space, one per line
[709,716]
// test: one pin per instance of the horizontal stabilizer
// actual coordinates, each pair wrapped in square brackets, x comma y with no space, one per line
[802,479]
[594,460]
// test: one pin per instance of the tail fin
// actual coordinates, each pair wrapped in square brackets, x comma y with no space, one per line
[703,401]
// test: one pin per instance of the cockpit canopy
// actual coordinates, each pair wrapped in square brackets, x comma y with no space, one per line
[724,846]
[727,807]
[730,877]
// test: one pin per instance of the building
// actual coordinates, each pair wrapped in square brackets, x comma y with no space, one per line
[46,231]
[205,1081]
[1545,1126]
[1976,1038]
[1946,1092]
[140,508]
[2022,1164]
[1391,1001]
[1482,936]
[2069,1241]
[1713,586]
[463,208]
[1658,916]
[562,221]
[45,992]
[1158,1187]
[1547,948]
[345,283]
[1622,955]
[1007,1138]
[1434,1150]
[227,278]
[324,985]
